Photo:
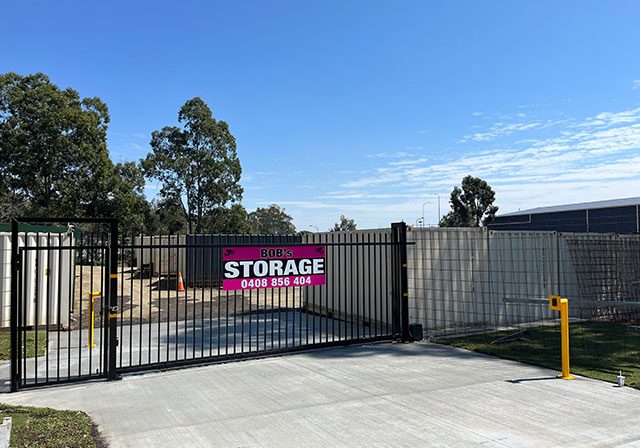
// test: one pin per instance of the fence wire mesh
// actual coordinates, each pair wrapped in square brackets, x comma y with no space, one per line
[488,291]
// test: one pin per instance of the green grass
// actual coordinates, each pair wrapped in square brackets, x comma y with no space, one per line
[45,427]
[597,350]
[5,344]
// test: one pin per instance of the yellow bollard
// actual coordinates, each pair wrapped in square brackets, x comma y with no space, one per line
[559,304]
[90,330]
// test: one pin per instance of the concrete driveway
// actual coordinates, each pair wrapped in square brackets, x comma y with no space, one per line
[384,395]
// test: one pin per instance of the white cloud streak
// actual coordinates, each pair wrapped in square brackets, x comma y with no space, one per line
[596,159]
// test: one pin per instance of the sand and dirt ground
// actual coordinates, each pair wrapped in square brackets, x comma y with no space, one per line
[156,299]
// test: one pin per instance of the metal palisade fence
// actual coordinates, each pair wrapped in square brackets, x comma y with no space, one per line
[87,303]
[104,304]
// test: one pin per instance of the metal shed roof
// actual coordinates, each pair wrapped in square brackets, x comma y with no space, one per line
[579,206]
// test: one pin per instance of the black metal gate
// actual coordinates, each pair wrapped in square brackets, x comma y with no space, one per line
[127,304]
[56,336]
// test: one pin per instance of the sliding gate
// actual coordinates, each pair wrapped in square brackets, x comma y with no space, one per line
[127,304]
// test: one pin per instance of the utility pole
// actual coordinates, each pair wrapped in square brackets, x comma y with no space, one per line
[423,204]
[429,202]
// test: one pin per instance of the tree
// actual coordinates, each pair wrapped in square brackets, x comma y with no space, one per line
[228,220]
[11,205]
[344,225]
[53,151]
[127,202]
[272,220]
[169,214]
[196,163]
[471,204]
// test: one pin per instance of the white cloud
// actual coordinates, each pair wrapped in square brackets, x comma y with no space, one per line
[575,160]
[636,84]
[499,130]
[595,159]
[390,155]
[134,146]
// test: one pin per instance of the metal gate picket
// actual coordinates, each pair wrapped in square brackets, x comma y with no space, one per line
[49,343]
[152,322]
[162,326]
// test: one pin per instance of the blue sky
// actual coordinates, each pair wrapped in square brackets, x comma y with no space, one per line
[364,108]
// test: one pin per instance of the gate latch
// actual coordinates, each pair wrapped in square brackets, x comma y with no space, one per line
[113,311]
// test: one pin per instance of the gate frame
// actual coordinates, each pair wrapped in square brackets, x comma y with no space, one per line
[400,281]
[110,342]
[399,298]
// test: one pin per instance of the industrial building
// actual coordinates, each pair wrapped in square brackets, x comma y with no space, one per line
[612,216]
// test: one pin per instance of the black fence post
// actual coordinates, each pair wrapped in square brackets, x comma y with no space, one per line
[113,299]
[14,305]
[400,281]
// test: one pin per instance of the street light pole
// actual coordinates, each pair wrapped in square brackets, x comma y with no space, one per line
[429,202]
[423,204]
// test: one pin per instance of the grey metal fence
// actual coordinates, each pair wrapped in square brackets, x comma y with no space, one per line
[465,280]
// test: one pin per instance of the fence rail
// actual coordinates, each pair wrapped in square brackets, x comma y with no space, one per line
[149,302]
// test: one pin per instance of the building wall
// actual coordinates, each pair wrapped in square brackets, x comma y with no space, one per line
[600,220]
[47,281]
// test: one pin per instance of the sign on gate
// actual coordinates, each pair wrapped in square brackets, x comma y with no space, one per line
[255,267]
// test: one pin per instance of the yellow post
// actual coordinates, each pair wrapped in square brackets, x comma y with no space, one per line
[559,304]
[90,330]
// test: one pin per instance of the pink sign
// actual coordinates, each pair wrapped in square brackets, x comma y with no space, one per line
[256,267]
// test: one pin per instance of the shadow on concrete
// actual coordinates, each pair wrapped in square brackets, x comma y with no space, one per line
[261,331]
[393,348]
[275,329]
[525,380]
[165,284]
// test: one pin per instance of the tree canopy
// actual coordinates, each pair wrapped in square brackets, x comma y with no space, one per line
[196,163]
[53,150]
[127,201]
[227,220]
[272,220]
[471,204]
[344,225]
[54,161]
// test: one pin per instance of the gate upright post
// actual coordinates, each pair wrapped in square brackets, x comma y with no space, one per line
[113,299]
[401,283]
[14,305]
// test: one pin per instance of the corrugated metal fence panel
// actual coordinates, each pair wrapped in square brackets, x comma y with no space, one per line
[52,269]
[161,260]
[358,277]
[523,265]
[204,263]
[468,278]
[5,279]
[444,275]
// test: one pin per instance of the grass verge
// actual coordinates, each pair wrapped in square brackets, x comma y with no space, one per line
[45,427]
[5,344]
[597,350]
